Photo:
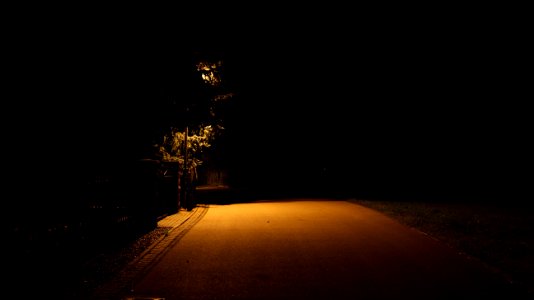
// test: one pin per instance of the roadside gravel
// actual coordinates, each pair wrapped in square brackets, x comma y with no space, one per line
[107,264]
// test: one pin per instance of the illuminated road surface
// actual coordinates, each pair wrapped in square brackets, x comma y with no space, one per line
[310,249]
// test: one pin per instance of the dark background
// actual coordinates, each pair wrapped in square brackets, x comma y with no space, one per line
[411,104]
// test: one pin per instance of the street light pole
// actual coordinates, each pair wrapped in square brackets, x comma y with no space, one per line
[185,174]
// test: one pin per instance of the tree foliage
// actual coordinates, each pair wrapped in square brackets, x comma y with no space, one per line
[204,119]
[173,146]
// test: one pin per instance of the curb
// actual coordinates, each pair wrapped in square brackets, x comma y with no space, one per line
[179,224]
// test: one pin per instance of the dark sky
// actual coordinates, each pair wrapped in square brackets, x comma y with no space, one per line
[416,107]
[437,97]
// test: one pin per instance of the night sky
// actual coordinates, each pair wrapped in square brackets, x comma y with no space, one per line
[393,103]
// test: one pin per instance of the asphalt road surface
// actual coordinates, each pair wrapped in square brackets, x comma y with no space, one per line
[312,249]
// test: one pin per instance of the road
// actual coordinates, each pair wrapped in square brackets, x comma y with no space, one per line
[312,249]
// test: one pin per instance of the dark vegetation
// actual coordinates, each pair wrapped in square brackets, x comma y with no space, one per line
[497,234]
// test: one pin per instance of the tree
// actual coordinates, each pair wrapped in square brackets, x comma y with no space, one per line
[179,146]
[202,124]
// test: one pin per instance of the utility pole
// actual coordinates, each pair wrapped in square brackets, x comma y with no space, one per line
[186,193]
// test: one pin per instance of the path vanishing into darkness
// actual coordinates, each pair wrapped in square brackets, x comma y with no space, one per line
[312,249]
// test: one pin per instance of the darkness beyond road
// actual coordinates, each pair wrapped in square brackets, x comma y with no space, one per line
[312,249]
